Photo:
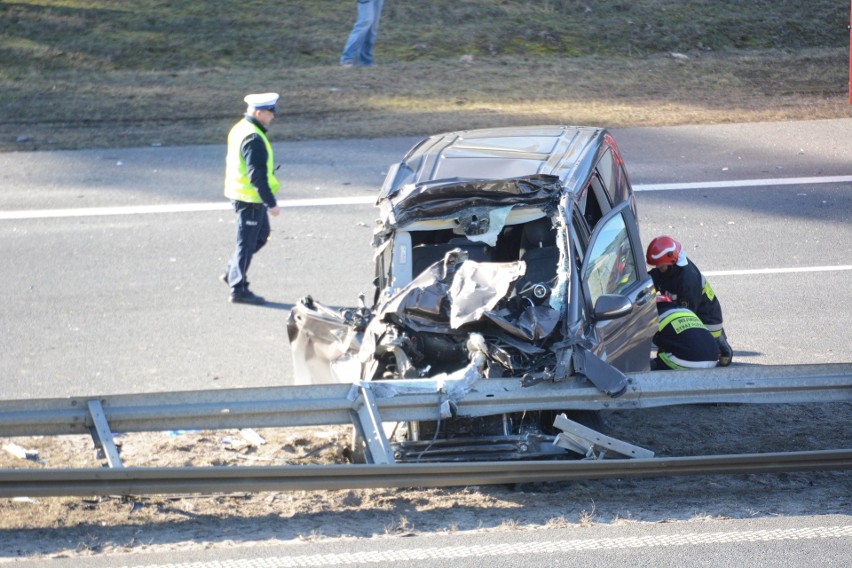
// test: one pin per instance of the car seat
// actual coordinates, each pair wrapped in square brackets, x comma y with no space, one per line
[539,252]
[427,254]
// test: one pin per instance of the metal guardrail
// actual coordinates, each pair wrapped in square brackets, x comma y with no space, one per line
[334,404]
[368,405]
[147,481]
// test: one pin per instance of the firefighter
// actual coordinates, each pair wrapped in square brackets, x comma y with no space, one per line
[682,340]
[677,277]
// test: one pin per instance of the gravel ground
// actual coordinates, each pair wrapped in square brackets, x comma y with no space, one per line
[63,527]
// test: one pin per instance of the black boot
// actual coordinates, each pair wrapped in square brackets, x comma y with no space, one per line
[726,354]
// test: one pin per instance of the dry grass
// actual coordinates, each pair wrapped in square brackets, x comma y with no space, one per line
[68,80]
[587,518]
[133,109]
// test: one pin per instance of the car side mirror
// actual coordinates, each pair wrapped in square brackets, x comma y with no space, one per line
[612,306]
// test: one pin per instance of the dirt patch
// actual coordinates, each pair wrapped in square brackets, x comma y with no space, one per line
[51,527]
[89,109]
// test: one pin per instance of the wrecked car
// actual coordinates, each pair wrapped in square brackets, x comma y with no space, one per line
[499,253]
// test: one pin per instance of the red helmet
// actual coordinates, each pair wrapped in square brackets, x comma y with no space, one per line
[663,250]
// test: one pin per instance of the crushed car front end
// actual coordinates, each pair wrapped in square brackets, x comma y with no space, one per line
[475,279]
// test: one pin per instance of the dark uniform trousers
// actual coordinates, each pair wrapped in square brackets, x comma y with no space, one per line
[252,234]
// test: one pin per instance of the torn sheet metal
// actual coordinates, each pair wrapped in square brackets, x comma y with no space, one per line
[324,344]
[445,198]
[454,385]
[604,376]
[478,287]
[534,324]
[422,299]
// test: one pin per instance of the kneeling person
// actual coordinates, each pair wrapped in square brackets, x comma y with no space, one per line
[677,277]
[683,342]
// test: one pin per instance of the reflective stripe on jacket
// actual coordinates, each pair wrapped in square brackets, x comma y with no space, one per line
[237,183]
[680,319]
[677,364]
[683,341]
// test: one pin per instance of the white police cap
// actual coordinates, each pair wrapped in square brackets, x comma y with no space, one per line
[262,101]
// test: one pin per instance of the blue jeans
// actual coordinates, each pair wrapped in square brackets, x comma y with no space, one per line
[359,46]
[252,234]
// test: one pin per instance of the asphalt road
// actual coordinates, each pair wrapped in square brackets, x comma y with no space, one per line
[765,542]
[131,302]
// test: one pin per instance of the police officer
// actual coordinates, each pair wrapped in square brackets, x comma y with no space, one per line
[677,277]
[682,340]
[250,184]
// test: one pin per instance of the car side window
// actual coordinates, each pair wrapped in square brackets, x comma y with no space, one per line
[611,169]
[579,236]
[595,203]
[610,267]
[606,170]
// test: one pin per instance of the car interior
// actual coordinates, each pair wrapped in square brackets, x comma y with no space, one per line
[533,242]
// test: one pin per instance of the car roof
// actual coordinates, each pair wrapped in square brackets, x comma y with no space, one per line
[495,153]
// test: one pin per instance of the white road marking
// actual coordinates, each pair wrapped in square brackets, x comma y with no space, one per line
[370,200]
[173,208]
[741,183]
[779,270]
[411,556]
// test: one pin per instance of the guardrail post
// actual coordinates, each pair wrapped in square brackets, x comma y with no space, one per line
[593,444]
[368,423]
[102,435]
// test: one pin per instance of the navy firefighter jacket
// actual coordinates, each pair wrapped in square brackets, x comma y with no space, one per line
[681,333]
[688,288]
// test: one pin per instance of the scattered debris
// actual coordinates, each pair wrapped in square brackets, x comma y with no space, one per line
[21,453]
[252,437]
[173,433]
[24,500]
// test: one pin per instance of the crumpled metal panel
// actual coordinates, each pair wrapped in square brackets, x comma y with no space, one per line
[453,386]
[478,287]
[538,321]
[421,304]
[604,376]
[454,296]
[324,346]
[445,198]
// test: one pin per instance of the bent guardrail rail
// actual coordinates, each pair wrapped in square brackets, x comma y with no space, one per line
[367,405]
[331,403]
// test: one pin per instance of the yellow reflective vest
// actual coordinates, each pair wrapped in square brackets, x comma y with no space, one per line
[237,183]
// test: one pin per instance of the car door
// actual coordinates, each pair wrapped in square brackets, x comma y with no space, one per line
[614,265]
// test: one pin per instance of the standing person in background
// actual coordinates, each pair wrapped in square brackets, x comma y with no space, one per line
[677,277]
[250,184]
[362,38]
